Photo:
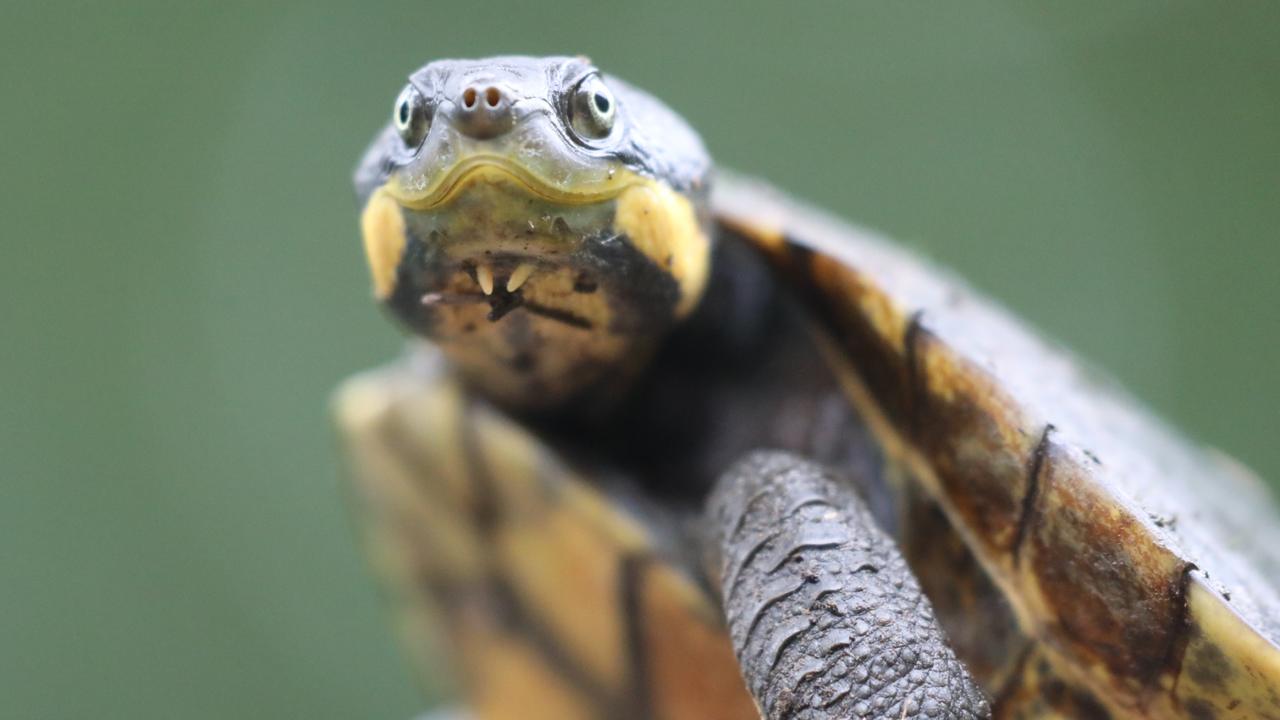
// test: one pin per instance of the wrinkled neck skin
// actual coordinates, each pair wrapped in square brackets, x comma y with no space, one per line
[742,373]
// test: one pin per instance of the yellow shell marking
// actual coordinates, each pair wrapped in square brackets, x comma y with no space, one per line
[1228,671]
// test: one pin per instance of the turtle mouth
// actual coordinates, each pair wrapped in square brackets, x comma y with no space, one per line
[494,169]
[500,283]
[494,234]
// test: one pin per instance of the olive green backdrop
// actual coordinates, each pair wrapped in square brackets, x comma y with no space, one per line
[182,283]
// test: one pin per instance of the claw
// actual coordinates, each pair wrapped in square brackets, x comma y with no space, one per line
[484,276]
[518,276]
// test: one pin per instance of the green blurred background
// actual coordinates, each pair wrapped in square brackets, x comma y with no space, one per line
[182,284]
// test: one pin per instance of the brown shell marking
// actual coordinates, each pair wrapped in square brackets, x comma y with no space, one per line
[966,397]
[554,599]
[1115,595]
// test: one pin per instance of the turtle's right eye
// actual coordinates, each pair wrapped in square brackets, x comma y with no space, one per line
[411,117]
[592,109]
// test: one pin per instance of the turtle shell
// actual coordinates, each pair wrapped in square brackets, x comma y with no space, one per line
[1143,569]
[1085,560]
[546,590]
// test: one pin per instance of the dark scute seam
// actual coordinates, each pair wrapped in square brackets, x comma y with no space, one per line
[1176,653]
[521,621]
[630,580]
[800,255]
[485,511]
[916,395]
[1030,499]
[799,264]
[518,618]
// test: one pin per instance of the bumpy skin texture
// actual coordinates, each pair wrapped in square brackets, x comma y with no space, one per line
[826,619]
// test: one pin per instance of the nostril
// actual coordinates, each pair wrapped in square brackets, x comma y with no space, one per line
[483,111]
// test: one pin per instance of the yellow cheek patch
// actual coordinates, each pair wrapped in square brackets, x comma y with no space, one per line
[382,226]
[662,224]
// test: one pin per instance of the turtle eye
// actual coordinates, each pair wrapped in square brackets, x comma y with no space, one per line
[592,109]
[411,117]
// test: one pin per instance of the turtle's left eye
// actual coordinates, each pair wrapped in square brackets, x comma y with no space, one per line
[592,109]
[411,117]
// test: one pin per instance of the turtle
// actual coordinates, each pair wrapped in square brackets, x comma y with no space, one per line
[667,443]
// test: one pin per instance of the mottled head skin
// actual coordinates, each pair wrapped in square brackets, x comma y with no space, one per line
[547,262]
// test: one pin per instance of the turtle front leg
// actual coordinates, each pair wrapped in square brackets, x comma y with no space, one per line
[826,619]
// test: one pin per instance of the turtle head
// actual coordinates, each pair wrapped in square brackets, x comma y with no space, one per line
[542,223]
